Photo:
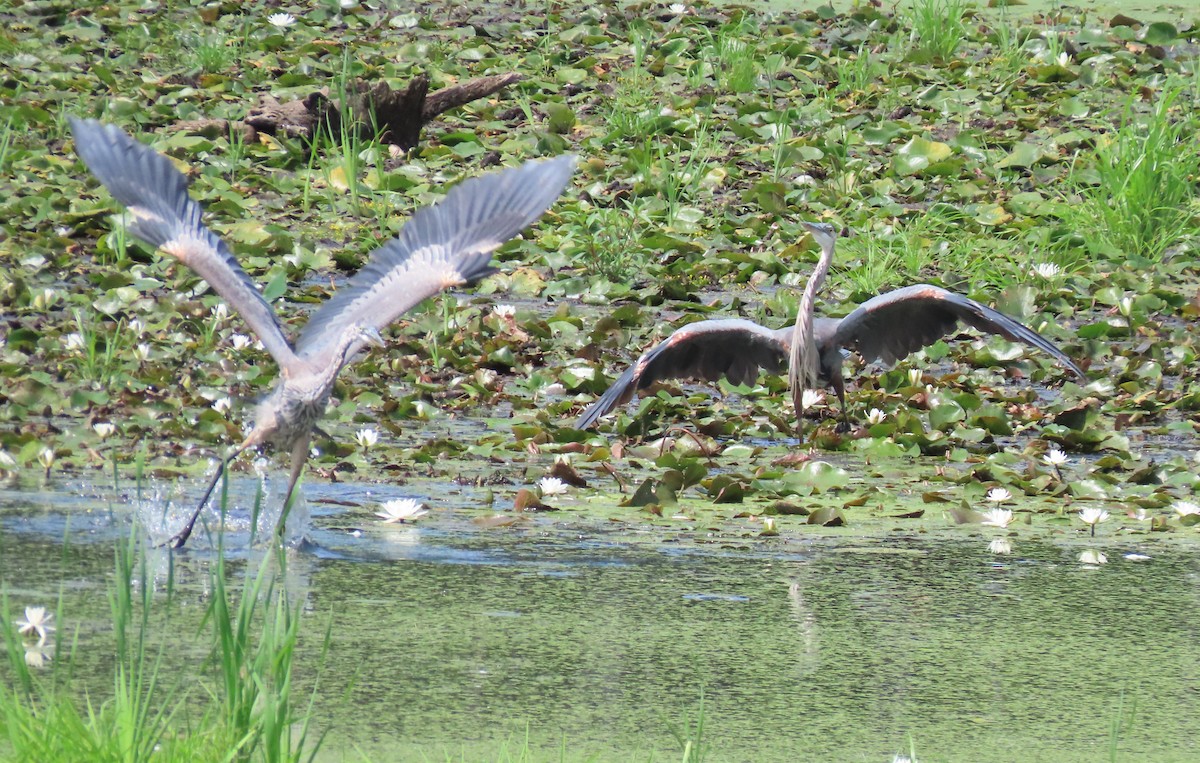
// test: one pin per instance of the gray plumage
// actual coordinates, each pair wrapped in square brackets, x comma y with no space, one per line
[885,328]
[443,246]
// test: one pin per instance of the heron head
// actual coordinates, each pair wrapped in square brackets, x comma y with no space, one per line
[371,335]
[823,233]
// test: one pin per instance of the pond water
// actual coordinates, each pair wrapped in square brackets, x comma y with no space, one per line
[453,639]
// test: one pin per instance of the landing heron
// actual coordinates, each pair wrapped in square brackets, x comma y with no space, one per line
[885,328]
[443,246]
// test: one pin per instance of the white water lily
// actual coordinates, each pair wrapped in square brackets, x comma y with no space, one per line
[769,527]
[997,518]
[1054,457]
[240,341]
[915,375]
[281,20]
[1185,508]
[142,352]
[104,429]
[222,405]
[36,622]
[46,457]
[400,510]
[1092,558]
[1045,269]
[875,416]
[366,437]
[810,398]
[505,311]
[677,9]
[73,341]
[1000,546]
[1093,516]
[552,486]
[6,459]
[998,495]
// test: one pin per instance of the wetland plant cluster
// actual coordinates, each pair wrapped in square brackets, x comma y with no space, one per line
[1044,163]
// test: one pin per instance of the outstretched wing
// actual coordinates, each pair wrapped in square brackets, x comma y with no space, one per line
[892,325]
[736,349]
[165,216]
[442,246]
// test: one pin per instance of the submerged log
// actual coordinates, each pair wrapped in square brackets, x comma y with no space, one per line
[395,116]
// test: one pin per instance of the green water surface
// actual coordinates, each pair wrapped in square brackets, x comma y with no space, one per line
[458,642]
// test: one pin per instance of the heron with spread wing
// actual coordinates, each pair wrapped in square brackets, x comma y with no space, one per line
[443,246]
[884,328]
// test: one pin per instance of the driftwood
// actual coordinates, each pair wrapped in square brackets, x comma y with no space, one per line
[396,116]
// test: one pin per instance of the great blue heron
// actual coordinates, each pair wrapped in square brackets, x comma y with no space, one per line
[887,328]
[443,246]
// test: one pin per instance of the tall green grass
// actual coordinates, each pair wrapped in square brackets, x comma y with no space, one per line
[938,28]
[245,711]
[1139,197]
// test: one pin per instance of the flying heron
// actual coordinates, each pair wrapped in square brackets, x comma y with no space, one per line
[887,328]
[447,245]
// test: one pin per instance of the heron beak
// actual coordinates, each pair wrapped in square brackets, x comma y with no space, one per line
[372,336]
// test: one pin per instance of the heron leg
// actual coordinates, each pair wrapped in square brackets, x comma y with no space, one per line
[839,386]
[299,457]
[180,538]
[798,406]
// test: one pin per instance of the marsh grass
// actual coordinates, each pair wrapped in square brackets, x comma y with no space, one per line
[689,735]
[938,28]
[1140,200]
[212,54]
[679,182]
[152,713]
[1009,57]
[256,640]
[104,349]
[857,72]
[736,53]
[6,136]
[632,112]
[43,720]
[608,243]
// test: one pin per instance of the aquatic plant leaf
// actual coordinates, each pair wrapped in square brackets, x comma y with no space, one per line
[568,474]
[826,516]
[527,500]
[1159,33]
[645,494]
[1022,154]
[963,515]
[919,155]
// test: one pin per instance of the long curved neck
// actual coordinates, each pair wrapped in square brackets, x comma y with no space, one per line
[802,355]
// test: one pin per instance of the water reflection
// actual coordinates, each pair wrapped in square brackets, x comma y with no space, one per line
[451,639]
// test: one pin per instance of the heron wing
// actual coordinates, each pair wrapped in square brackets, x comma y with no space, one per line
[892,325]
[165,216]
[446,245]
[736,349]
